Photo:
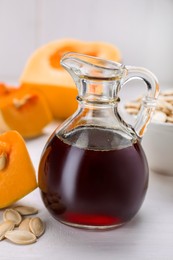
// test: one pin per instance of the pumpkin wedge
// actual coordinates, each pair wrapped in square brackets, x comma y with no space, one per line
[17,174]
[43,71]
[24,110]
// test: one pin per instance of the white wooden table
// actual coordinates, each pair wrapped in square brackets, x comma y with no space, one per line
[148,236]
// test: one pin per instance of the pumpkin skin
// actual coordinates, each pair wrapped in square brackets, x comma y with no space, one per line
[43,71]
[17,177]
[24,110]
[6,90]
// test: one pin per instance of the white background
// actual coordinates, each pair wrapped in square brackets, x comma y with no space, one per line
[142,29]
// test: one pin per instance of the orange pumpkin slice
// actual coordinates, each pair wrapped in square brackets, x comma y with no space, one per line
[17,174]
[24,110]
[43,71]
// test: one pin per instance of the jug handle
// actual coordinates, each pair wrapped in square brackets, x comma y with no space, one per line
[149,101]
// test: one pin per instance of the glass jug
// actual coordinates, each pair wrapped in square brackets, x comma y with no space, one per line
[93,171]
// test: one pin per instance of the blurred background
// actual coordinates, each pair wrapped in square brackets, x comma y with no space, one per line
[142,30]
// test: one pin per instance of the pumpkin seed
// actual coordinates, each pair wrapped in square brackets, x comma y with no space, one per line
[159,116]
[3,161]
[132,111]
[135,105]
[4,227]
[12,215]
[168,92]
[21,102]
[21,237]
[169,119]
[24,210]
[24,225]
[36,226]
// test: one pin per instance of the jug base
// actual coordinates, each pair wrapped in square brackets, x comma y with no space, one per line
[91,227]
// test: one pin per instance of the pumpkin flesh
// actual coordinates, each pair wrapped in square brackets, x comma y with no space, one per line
[18,177]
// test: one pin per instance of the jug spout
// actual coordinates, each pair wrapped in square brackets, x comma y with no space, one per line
[91,67]
[97,80]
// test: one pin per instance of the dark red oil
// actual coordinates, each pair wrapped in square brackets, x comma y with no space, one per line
[93,177]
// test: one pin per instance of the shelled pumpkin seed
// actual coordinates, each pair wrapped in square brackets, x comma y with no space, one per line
[4,227]
[36,226]
[24,225]
[12,215]
[24,210]
[21,237]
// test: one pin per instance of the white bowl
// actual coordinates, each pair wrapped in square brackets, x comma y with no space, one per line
[158,146]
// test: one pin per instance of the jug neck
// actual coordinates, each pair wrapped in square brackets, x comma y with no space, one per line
[98,92]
